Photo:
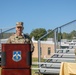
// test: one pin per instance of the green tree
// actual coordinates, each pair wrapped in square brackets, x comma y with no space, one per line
[37,33]
[64,35]
[50,34]
[73,33]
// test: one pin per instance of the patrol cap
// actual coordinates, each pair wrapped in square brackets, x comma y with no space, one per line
[19,24]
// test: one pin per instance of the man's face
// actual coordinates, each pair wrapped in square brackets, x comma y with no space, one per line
[19,29]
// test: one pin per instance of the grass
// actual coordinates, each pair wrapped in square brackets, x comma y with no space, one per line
[34,71]
[35,66]
[36,60]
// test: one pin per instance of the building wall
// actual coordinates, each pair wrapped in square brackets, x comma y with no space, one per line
[35,53]
[44,49]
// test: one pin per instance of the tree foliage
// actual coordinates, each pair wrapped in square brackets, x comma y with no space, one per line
[37,33]
[69,35]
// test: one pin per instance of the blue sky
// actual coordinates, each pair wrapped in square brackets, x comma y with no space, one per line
[47,14]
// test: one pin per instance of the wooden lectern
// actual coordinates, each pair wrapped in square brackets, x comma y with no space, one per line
[16,59]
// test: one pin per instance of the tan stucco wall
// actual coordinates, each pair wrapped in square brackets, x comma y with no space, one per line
[44,48]
[35,53]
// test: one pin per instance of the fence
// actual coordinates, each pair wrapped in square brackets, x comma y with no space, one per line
[64,33]
[5,34]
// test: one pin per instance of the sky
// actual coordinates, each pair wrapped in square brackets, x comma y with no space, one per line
[47,14]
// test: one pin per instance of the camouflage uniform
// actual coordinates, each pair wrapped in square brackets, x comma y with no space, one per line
[22,39]
[19,39]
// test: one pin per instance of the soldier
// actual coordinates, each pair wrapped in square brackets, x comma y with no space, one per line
[19,37]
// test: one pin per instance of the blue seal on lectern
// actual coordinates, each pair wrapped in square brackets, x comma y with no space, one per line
[16,56]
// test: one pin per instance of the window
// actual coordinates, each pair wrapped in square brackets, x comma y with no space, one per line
[49,50]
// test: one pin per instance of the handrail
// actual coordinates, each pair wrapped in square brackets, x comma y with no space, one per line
[61,58]
[8,30]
